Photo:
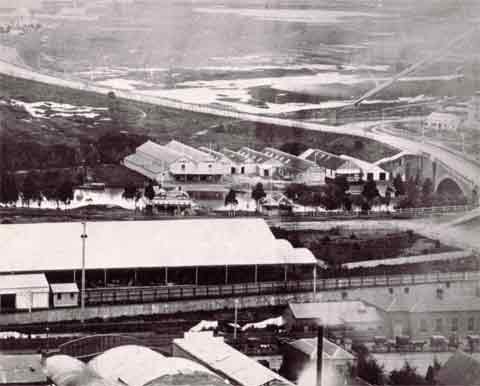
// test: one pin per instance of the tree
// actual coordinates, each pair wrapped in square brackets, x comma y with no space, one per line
[399,185]
[130,191]
[427,187]
[30,190]
[258,193]
[370,190]
[231,198]
[8,189]
[368,368]
[407,375]
[149,191]
[65,192]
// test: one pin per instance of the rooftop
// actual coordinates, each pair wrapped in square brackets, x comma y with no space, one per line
[330,349]
[336,313]
[289,160]
[254,155]
[189,151]
[235,156]
[27,281]
[145,244]
[62,288]
[160,153]
[323,159]
[214,353]
[21,369]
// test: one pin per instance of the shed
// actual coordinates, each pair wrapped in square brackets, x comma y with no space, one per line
[64,294]
[213,353]
[24,292]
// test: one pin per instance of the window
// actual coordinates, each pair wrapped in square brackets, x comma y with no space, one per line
[344,295]
[242,170]
[447,284]
[406,290]
[471,324]
[59,296]
[455,324]
[72,295]
[183,167]
[390,290]
[209,166]
[423,325]
[438,325]
[383,176]
[369,176]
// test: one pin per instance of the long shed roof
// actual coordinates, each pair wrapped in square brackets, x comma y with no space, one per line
[214,353]
[145,244]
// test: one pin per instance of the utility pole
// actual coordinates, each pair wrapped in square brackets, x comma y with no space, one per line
[235,323]
[82,295]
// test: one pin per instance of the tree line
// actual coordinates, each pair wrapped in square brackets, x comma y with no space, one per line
[35,188]
[369,370]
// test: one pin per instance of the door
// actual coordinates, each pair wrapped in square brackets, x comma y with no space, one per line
[7,302]
[397,329]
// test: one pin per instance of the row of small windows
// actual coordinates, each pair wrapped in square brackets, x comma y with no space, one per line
[454,324]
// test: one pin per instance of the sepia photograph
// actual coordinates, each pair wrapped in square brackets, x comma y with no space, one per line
[239,192]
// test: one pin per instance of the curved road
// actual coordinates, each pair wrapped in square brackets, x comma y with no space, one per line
[464,167]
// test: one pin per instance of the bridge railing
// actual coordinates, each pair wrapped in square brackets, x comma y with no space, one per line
[129,295]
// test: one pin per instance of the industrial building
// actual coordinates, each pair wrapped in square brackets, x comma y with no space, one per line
[267,166]
[439,121]
[354,319]
[140,253]
[176,161]
[353,169]
[229,363]
[434,314]
[129,365]
[296,168]
[300,360]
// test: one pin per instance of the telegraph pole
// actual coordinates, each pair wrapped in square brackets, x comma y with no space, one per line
[82,294]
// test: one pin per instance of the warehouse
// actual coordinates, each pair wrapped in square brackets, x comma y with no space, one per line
[174,160]
[217,356]
[131,253]
[23,291]
[357,319]
[266,166]
[295,168]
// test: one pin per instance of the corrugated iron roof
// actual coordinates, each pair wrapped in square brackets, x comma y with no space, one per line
[224,359]
[61,288]
[330,349]
[144,244]
[36,281]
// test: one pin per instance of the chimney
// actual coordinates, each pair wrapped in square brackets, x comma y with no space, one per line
[319,355]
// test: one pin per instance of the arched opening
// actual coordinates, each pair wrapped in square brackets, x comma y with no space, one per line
[449,187]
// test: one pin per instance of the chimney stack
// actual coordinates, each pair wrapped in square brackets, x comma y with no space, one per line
[319,355]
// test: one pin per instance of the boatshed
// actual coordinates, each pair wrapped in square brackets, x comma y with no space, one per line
[23,292]
[64,294]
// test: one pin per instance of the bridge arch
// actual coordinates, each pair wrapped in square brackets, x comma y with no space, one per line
[449,186]
[88,346]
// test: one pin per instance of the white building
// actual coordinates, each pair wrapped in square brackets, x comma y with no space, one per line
[353,169]
[174,160]
[442,122]
[267,167]
[240,163]
[23,291]
[295,168]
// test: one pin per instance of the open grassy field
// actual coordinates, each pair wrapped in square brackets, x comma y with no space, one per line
[50,141]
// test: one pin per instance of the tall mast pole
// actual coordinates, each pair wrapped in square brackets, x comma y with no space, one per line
[82,294]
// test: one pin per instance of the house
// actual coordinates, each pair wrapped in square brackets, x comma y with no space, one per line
[353,318]
[64,294]
[300,361]
[330,163]
[460,369]
[442,122]
[23,291]
[295,168]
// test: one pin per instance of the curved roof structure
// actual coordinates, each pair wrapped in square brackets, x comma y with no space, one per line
[137,366]
[145,244]
[64,370]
